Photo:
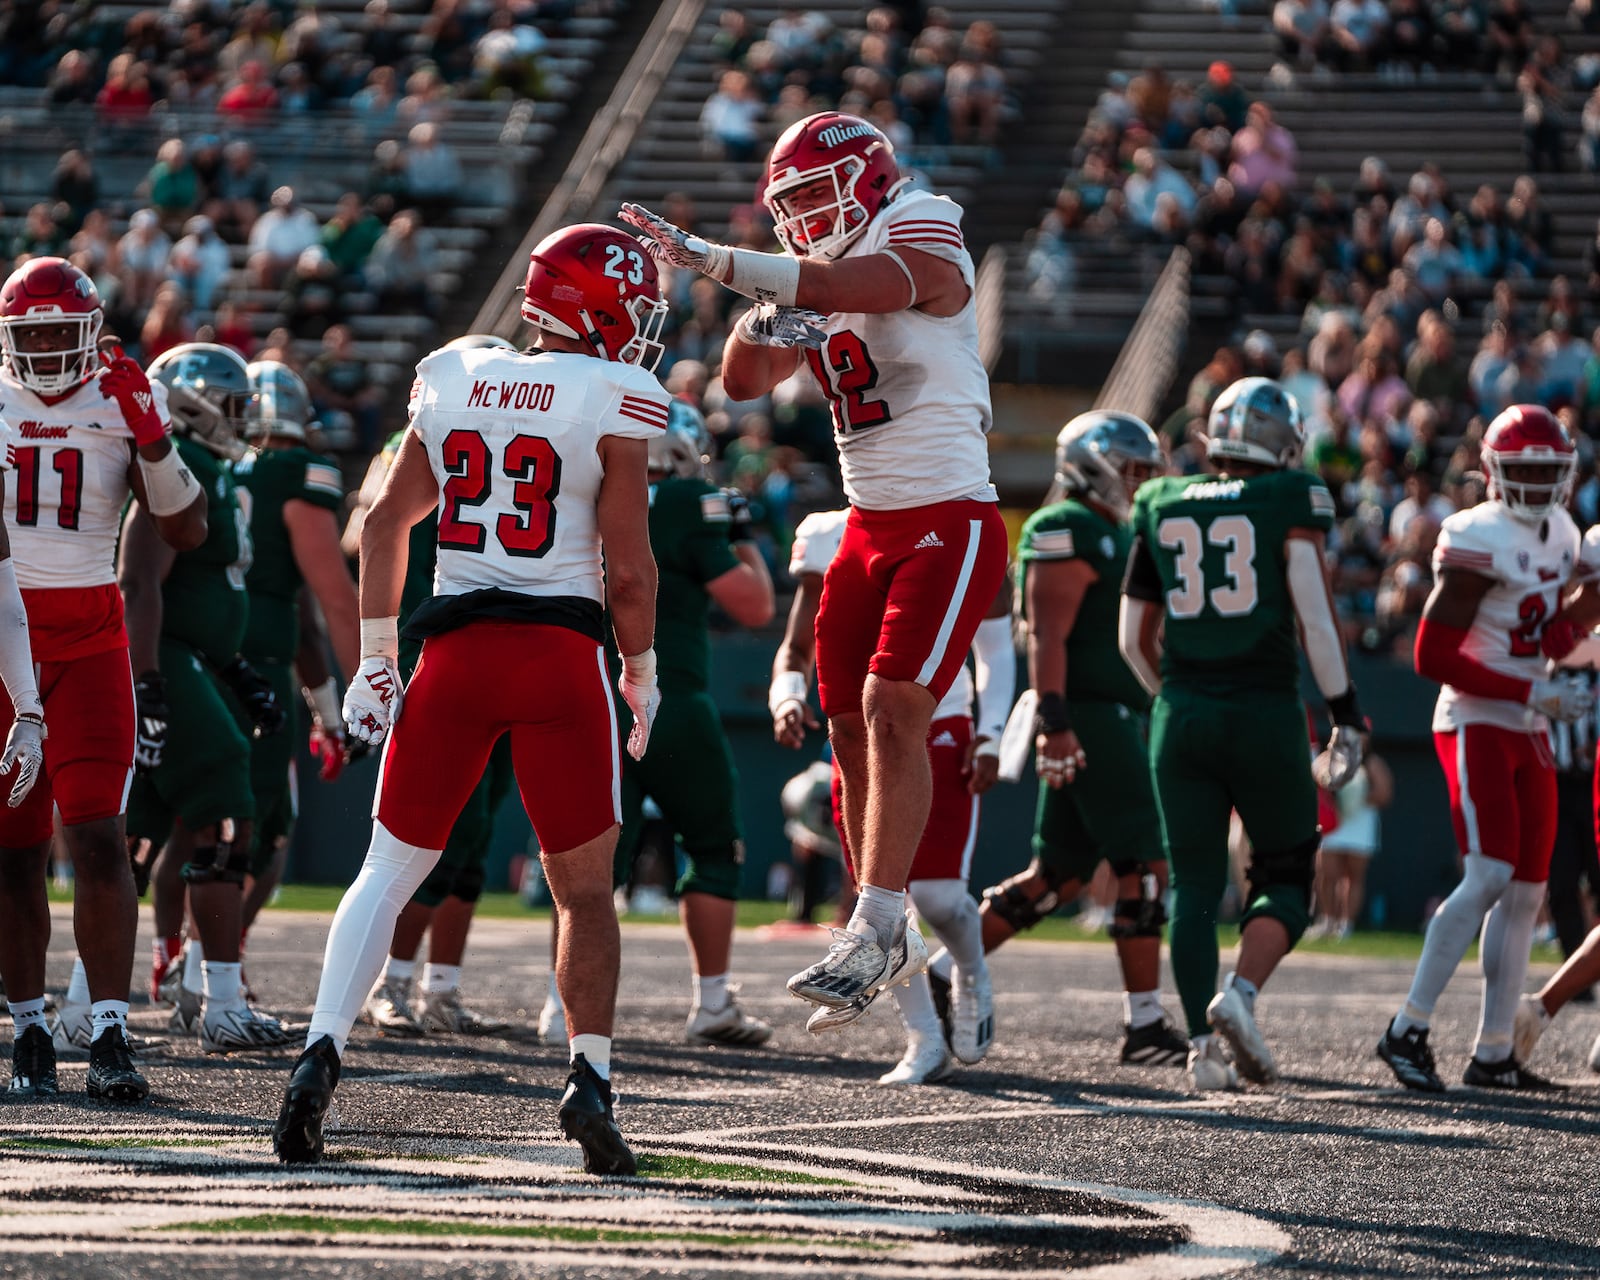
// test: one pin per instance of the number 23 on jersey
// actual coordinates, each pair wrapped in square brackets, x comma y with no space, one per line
[533,469]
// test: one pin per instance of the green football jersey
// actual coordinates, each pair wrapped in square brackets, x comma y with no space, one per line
[1218,547]
[203,600]
[275,477]
[1073,530]
[689,536]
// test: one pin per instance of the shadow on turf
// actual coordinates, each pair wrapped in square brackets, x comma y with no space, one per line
[1430,1249]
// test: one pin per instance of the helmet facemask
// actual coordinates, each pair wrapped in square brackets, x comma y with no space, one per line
[52,353]
[218,423]
[827,229]
[1533,497]
[645,348]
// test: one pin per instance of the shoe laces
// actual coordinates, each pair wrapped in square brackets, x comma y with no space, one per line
[115,1047]
[844,940]
[1422,1052]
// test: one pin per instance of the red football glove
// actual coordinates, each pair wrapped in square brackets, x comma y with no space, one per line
[124,381]
[1559,638]
[328,749]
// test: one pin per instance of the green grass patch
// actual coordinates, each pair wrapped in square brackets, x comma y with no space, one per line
[324,1224]
[688,1167]
[105,1144]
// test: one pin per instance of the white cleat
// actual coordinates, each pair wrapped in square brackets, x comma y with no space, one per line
[389,1009]
[242,1029]
[730,1026]
[925,1061]
[1209,1068]
[1231,1018]
[552,1024]
[1530,1023]
[909,958]
[971,1013]
[857,968]
[72,1028]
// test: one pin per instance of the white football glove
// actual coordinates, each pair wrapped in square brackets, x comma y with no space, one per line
[24,751]
[1564,700]
[670,243]
[643,696]
[1339,762]
[781,327]
[372,701]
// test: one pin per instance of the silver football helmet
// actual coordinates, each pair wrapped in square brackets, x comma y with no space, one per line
[1106,455]
[1256,420]
[279,403]
[208,387]
[684,448]
[477,342]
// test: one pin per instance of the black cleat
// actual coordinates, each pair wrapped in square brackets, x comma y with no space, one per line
[297,1135]
[112,1075]
[940,987]
[1156,1044]
[586,1118]
[1508,1074]
[1410,1059]
[33,1064]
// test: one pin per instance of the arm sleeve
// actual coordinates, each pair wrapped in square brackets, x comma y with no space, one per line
[996,663]
[1130,623]
[1440,656]
[1319,628]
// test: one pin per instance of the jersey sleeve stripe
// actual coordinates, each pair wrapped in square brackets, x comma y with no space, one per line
[657,423]
[648,412]
[1461,558]
[927,237]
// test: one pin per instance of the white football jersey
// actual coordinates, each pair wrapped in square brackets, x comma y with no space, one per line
[514,442]
[816,542]
[69,483]
[1531,566]
[909,395]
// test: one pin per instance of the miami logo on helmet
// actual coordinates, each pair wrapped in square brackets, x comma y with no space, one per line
[833,135]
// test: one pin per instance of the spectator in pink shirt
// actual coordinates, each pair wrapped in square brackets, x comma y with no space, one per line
[1263,152]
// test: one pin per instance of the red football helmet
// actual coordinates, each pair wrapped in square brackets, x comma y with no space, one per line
[597,284]
[1530,461]
[50,319]
[855,158]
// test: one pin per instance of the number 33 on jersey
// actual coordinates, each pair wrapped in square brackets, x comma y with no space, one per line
[513,441]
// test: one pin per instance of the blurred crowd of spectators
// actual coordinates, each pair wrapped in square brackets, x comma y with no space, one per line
[925,82]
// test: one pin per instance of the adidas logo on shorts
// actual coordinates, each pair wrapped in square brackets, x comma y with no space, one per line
[945,739]
[928,540]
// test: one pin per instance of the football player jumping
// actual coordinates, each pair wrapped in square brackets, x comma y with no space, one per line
[535,462]
[91,431]
[1501,569]
[1228,567]
[895,349]
[1095,799]
[964,764]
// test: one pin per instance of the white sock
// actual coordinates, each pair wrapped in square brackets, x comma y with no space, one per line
[596,1050]
[915,1003]
[952,914]
[552,996]
[223,987]
[1450,933]
[398,970]
[194,961]
[78,985]
[879,914]
[1248,991]
[363,928]
[1141,1008]
[1507,939]
[106,1014]
[27,1013]
[439,978]
[711,994]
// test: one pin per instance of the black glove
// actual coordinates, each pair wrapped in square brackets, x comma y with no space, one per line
[255,696]
[740,522]
[151,714]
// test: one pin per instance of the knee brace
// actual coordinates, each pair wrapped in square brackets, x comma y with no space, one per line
[468,884]
[942,903]
[1140,917]
[713,871]
[1280,886]
[216,864]
[1013,903]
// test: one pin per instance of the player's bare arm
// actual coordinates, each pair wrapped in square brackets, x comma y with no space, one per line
[623,516]
[409,493]
[144,559]
[995,665]
[1053,592]
[366,495]
[320,689]
[744,592]
[791,668]
[314,542]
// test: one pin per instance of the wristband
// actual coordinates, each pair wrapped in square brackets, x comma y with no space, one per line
[1346,710]
[988,747]
[323,700]
[1051,716]
[380,638]
[766,277]
[169,486]
[640,668]
[787,686]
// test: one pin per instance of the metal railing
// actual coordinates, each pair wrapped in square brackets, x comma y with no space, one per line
[1148,361]
[989,293]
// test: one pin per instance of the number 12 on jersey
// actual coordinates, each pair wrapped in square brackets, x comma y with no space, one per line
[532,465]
[1234,597]
[846,373]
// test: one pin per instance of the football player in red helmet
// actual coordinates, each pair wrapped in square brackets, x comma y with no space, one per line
[874,293]
[534,461]
[1501,568]
[50,318]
